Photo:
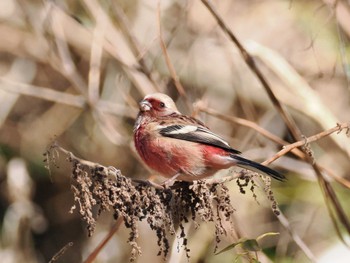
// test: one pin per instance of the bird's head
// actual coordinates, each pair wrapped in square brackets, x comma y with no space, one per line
[158,105]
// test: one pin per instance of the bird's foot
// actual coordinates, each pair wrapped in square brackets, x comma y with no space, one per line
[148,183]
[170,182]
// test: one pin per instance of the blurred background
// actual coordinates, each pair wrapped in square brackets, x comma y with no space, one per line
[73,71]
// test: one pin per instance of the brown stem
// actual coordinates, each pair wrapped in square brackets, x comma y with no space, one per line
[98,249]
[170,65]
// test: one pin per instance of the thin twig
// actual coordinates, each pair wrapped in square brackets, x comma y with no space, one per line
[249,124]
[251,64]
[288,148]
[285,223]
[94,79]
[134,44]
[170,65]
[242,122]
[91,93]
[297,94]
[110,234]
[42,93]
[316,137]
[115,44]
[77,159]
[95,60]
[78,101]
[61,252]
[271,136]
[67,64]
[327,189]
[276,139]
[342,181]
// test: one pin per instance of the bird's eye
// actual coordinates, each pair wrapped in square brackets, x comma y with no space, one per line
[162,105]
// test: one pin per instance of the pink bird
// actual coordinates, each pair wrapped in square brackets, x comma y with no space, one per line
[180,147]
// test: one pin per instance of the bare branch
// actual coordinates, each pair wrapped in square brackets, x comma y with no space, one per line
[251,64]
[134,44]
[78,101]
[42,93]
[108,237]
[290,147]
[290,123]
[170,65]
[285,223]
[61,252]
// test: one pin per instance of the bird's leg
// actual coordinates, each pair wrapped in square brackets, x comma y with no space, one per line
[148,183]
[169,183]
[165,185]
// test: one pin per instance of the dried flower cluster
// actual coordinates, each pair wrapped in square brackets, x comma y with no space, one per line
[105,188]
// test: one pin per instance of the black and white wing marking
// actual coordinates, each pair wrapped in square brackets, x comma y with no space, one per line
[198,134]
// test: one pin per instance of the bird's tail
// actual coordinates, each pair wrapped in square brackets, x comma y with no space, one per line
[257,167]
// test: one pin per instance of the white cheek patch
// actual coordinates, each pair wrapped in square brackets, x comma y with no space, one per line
[184,130]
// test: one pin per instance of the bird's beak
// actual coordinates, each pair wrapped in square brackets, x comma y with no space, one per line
[145,105]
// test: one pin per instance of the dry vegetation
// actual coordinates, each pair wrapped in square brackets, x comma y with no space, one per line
[272,77]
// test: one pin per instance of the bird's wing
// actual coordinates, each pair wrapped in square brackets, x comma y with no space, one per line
[194,131]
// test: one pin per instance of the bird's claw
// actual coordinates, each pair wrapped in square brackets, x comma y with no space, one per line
[170,182]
